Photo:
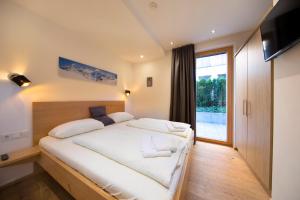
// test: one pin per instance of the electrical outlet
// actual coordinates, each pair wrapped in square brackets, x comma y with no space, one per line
[13,136]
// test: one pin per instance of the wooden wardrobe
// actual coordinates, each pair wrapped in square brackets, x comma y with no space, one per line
[253,109]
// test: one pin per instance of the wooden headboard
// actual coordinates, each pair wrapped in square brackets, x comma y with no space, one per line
[47,115]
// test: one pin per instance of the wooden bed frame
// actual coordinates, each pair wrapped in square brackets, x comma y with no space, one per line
[47,115]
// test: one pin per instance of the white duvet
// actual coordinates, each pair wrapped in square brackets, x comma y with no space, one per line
[117,179]
[159,125]
[124,146]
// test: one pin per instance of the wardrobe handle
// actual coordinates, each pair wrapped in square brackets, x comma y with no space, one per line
[244,102]
[248,108]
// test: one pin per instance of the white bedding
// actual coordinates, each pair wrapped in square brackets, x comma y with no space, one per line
[123,145]
[117,179]
[157,125]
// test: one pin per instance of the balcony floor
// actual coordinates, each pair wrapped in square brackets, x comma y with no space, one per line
[211,131]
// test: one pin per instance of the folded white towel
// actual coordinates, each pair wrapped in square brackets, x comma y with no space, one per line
[149,151]
[180,125]
[171,128]
[158,125]
[162,143]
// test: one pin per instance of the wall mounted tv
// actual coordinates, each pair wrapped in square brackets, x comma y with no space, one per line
[281,28]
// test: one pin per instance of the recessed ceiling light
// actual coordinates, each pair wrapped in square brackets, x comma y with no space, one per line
[172,43]
[141,56]
[153,5]
[213,31]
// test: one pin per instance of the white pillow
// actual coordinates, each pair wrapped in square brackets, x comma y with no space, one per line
[75,127]
[120,116]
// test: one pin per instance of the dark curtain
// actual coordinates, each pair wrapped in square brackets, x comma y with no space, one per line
[183,89]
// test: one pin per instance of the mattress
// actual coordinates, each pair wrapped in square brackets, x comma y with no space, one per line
[119,180]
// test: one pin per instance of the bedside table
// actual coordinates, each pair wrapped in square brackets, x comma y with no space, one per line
[26,155]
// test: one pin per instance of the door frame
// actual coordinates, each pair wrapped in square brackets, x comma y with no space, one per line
[229,99]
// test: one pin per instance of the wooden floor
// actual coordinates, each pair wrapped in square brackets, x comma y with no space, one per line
[36,187]
[217,173]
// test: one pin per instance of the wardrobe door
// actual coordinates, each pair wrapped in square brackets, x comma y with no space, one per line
[241,75]
[259,111]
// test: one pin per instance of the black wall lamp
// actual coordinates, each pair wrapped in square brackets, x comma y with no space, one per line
[127,92]
[20,80]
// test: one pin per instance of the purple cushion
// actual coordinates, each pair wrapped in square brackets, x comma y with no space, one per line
[105,120]
[98,111]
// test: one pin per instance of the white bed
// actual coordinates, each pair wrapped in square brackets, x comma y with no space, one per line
[117,179]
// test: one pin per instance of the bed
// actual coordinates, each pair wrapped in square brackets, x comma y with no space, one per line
[86,174]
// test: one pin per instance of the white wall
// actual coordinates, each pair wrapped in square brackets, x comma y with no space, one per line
[155,101]
[286,146]
[152,101]
[31,45]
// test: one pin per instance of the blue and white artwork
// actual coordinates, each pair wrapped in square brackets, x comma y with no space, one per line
[88,72]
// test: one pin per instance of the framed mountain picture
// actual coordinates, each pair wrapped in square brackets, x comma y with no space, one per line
[88,72]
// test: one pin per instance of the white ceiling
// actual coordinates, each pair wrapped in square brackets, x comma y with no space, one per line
[131,28]
[191,21]
[108,23]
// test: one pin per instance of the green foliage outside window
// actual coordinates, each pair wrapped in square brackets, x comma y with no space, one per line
[211,95]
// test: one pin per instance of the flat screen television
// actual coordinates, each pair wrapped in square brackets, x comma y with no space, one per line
[281,28]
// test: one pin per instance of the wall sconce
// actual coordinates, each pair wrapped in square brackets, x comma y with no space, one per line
[127,92]
[20,80]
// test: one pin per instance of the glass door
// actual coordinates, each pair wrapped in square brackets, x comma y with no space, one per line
[212,84]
